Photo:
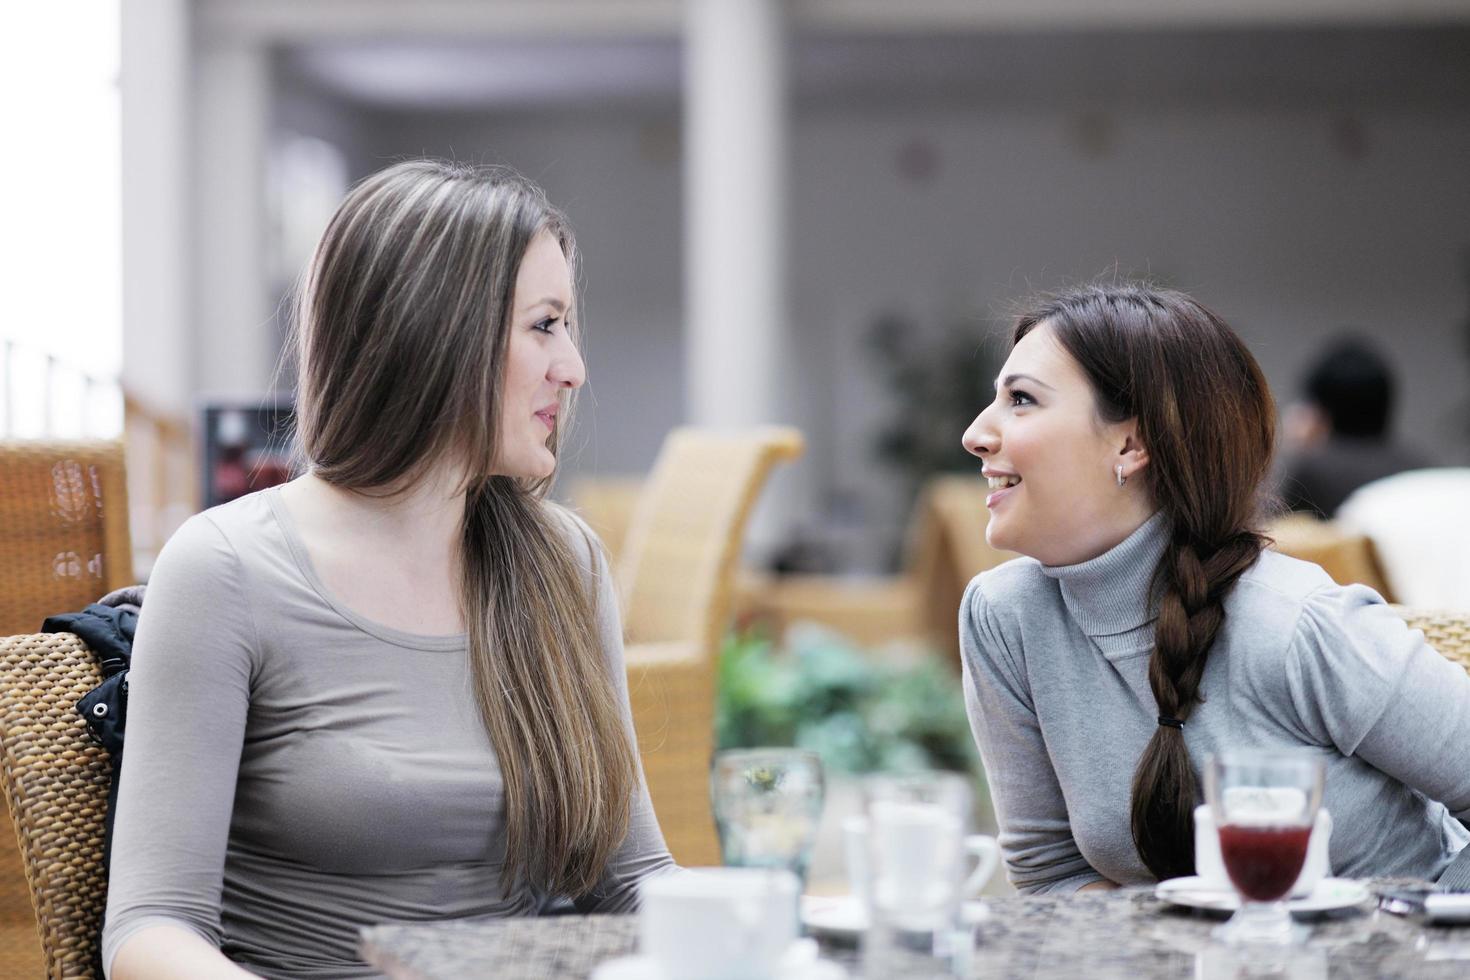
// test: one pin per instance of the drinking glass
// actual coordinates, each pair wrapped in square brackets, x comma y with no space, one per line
[1264,803]
[915,867]
[767,805]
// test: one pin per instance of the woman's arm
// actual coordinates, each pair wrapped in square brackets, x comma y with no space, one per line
[188,696]
[1035,833]
[169,952]
[1101,885]
[1359,677]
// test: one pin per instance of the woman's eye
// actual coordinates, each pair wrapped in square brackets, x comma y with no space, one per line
[1019,398]
[545,325]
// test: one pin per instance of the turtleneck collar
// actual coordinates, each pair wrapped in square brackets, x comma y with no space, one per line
[1110,594]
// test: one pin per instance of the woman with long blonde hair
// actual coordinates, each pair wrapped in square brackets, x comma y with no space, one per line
[392,689]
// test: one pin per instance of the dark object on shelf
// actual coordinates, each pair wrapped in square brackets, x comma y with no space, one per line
[245,445]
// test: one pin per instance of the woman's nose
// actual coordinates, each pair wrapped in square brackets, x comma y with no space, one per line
[980,438]
[567,369]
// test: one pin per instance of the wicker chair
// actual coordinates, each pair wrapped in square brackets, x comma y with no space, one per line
[945,548]
[677,580]
[607,505]
[55,779]
[63,529]
[63,542]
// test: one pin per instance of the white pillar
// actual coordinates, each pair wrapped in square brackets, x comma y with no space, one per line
[155,84]
[735,201]
[233,312]
[735,185]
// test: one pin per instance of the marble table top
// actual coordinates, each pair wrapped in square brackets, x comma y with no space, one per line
[1127,934]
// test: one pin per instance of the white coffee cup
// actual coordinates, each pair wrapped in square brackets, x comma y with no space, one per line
[912,844]
[1210,866]
[718,923]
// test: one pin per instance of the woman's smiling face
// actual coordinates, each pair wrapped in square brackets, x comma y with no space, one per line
[1052,461]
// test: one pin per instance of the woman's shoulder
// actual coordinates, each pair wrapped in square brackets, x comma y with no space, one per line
[1278,591]
[1008,585]
[223,531]
[578,535]
[1285,606]
[1000,598]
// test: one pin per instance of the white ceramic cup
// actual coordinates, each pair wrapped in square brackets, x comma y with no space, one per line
[857,849]
[718,923]
[1210,866]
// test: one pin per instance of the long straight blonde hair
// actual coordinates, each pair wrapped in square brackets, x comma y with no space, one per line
[402,328]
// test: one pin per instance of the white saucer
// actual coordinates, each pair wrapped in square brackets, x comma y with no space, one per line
[1330,895]
[843,916]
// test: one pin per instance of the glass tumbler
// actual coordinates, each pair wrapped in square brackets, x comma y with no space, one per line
[767,805]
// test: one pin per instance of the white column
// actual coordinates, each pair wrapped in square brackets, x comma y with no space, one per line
[232,312]
[155,85]
[735,186]
[735,202]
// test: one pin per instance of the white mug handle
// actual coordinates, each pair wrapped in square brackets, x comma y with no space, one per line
[986,852]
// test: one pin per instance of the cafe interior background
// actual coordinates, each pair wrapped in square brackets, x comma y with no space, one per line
[807,212]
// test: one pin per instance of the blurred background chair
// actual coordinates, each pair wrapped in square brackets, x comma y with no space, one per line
[63,529]
[64,542]
[944,549]
[677,576]
[1348,557]
[1419,523]
[607,505]
[55,778]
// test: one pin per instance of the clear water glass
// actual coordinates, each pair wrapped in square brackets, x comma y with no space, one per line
[768,806]
[1264,802]
[915,868]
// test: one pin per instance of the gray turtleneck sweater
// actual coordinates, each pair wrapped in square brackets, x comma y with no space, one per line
[1056,682]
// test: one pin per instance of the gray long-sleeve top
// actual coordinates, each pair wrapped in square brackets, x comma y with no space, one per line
[295,771]
[1056,683]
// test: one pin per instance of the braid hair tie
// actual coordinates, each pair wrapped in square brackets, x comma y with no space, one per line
[1168,722]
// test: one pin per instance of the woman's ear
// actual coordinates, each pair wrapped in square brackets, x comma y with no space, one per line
[1132,453]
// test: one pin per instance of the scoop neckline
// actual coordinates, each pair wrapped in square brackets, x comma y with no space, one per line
[388,634]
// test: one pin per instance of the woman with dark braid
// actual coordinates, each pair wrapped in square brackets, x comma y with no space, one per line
[1147,626]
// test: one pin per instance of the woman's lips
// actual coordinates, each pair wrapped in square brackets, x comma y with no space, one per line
[994,498]
[549,418]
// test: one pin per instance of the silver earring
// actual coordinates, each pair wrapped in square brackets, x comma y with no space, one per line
[1121,478]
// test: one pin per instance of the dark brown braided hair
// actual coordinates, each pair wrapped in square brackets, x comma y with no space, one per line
[1207,419]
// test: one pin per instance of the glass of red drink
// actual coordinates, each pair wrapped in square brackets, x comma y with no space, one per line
[1264,802]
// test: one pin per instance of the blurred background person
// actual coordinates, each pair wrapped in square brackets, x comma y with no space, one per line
[1339,435]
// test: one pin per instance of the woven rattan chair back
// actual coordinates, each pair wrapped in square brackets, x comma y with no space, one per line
[677,576]
[678,563]
[63,529]
[1447,632]
[55,779]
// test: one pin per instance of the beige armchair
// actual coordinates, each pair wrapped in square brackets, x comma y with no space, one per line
[677,577]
